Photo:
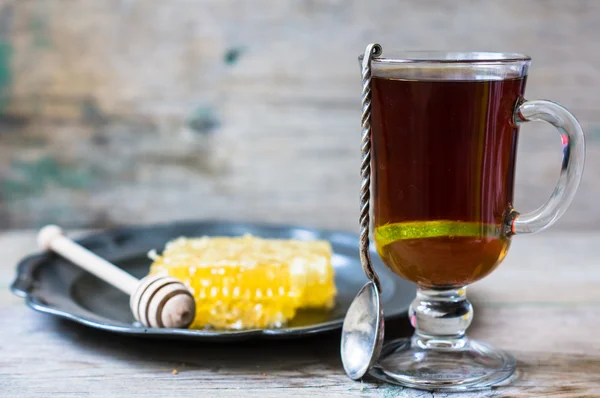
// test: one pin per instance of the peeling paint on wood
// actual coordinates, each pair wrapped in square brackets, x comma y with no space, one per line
[5,74]
[193,109]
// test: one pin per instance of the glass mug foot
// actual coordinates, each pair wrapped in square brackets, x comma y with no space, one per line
[439,356]
[473,366]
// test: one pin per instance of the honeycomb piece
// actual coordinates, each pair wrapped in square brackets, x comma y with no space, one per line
[248,282]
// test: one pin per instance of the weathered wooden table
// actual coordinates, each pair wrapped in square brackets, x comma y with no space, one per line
[542,304]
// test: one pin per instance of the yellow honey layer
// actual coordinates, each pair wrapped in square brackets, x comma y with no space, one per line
[249,282]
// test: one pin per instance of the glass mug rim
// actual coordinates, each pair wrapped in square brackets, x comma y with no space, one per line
[448,57]
[442,65]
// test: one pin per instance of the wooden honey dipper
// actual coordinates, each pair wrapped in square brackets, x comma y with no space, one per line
[155,301]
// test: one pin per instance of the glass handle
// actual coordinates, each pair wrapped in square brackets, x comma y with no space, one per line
[573,157]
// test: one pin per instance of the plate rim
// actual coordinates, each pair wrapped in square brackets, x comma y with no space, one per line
[23,285]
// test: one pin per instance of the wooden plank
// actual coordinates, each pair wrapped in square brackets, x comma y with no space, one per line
[541,305]
[46,356]
[144,110]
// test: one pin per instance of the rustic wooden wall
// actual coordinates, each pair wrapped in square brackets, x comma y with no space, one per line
[131,111]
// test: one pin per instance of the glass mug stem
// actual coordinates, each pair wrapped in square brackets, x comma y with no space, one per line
[440,318]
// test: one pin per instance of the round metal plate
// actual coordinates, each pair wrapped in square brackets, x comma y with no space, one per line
[52,285]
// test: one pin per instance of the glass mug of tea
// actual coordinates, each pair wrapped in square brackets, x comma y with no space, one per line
[443,140]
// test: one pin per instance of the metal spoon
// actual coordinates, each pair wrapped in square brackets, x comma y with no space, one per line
[362,332]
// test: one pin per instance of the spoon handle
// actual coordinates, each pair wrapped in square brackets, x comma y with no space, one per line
[373,50]
[51,237]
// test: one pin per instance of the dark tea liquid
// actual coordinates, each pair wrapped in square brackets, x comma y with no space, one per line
[443,175]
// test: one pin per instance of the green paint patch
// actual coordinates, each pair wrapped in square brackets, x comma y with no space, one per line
[389,233]
[31,178]
[232,55]
[5,74]
[392,391]
[91,112]
[39,31]
[204,120]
